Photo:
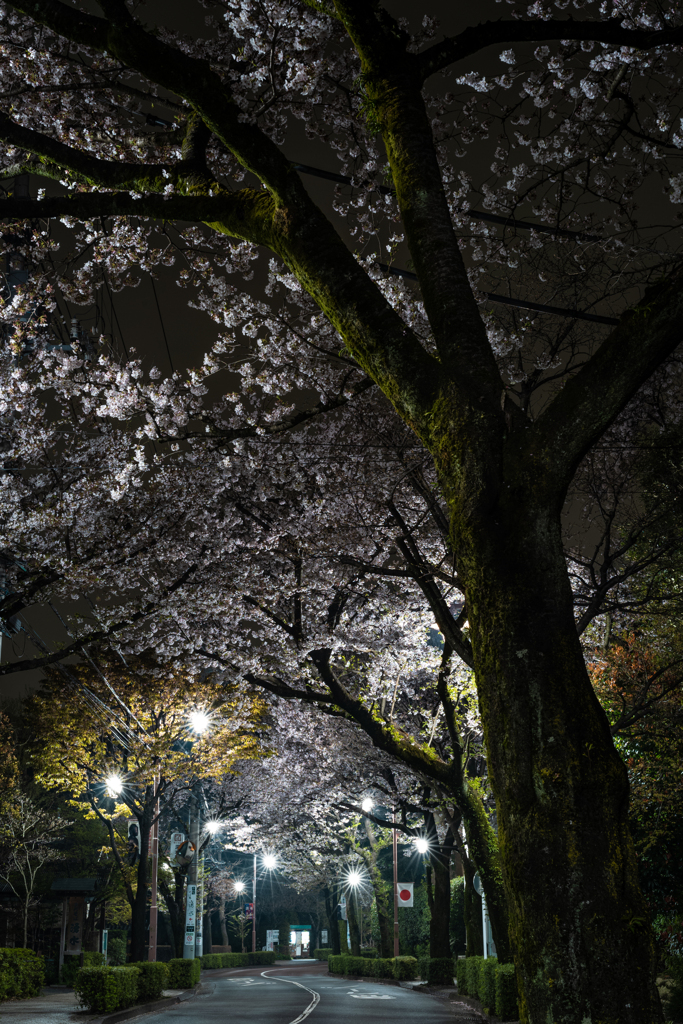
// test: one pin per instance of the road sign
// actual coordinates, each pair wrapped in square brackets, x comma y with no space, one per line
[177,840]
[190,914]
[405,894]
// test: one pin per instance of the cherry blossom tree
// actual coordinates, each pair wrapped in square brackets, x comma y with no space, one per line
[507,405]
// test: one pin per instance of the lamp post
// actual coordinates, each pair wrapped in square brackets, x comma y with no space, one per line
[269,862]
[395,860]
[198,722]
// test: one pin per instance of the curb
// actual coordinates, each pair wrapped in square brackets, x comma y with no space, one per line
[160,1004]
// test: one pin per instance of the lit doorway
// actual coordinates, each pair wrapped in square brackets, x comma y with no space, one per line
[300,943]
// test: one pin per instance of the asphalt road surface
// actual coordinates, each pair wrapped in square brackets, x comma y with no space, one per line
[303,992]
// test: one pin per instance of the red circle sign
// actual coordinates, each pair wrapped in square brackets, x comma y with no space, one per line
[404,894]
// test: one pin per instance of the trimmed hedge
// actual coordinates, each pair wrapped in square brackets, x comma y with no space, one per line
[506,992]
[361,967]
[369,954]
[152,981]
[104,989]
[22,973]
[322,954]
[183,973]
[436,970]
[233,959]
[210,961]
[335,963]
[405,968]
[461,975]
[472,969]
[261,958]
[72,965]
[486,987]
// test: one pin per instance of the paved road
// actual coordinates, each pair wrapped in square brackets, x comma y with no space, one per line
[292,995]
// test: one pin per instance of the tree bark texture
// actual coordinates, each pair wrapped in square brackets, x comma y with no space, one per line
[474,929]
[578,922]
[440,906]
[352,914]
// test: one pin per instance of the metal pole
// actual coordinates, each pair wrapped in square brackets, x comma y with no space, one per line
[395,850]
[191,901]
[253,912]
[199,930]
[153,913]
[484,929]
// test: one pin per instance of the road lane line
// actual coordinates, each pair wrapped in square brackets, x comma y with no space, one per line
[311,1006]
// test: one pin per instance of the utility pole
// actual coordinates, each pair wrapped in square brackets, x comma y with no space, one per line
[153,912]
[395,852]
[253,912]
[191,900]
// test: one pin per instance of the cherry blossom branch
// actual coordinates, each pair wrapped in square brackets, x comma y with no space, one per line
[97,636]
[499,33]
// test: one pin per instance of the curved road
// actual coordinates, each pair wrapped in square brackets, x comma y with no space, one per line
[297,993]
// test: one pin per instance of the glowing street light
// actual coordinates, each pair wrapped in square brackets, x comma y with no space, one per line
[114,784]
[421,844]
[199,721]
[269,861]
[213,826]
[354,878]
[368,804]
[238,887]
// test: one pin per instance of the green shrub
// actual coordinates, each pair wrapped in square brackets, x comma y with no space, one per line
[506,992]
[152,981]
[369,954]
[210,961]
[183,973]
[116,950]
[321,954]
[261,957]
[103,989]
[336,964]
[461,975]
[437,970]
[384,967]
[233,959]
[472,969]
[486,988]
[355,965]
[72,965]
[22,973]
[405,968]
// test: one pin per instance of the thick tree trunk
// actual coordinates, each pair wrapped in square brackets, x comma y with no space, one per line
[578,922]
[352,914]
[440,919]
[138,918]
[474,929]
[331,911]
[221,921]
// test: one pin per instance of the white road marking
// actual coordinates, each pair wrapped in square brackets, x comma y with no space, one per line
[311,1006]
[368,995]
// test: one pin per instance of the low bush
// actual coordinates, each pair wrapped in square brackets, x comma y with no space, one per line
[233,959]
[210,961]
[461,975]
[436,970]
[472,969]
[261,958]
[72,965]
[336,964]
[104,989]
[369,954]
[183,973]
[152,981]
[22,973]
[116,950]
[320,954]
[486,988]
[506,992]
[383,967]
[405,968]
[355,965]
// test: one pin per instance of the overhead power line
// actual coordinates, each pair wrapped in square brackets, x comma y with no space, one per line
[408,275]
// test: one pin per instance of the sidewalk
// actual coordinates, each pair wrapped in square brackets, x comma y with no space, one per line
[57,1004]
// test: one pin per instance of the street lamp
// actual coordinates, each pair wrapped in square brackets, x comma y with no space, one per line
[421,844]
[269,862]
[367,804]
[238,887]
[114,784]
[213,826]
[354,878]
[199,721]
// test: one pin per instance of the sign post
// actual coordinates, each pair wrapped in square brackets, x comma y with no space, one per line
[190,918]
[395,859]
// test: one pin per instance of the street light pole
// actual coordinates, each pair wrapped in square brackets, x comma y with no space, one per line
[253,912]
[191,899]
[153,913]
[395,852]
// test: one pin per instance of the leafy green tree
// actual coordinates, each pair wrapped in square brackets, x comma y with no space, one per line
[120,741]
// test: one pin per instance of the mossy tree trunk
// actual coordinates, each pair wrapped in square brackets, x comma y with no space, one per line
[352,914]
